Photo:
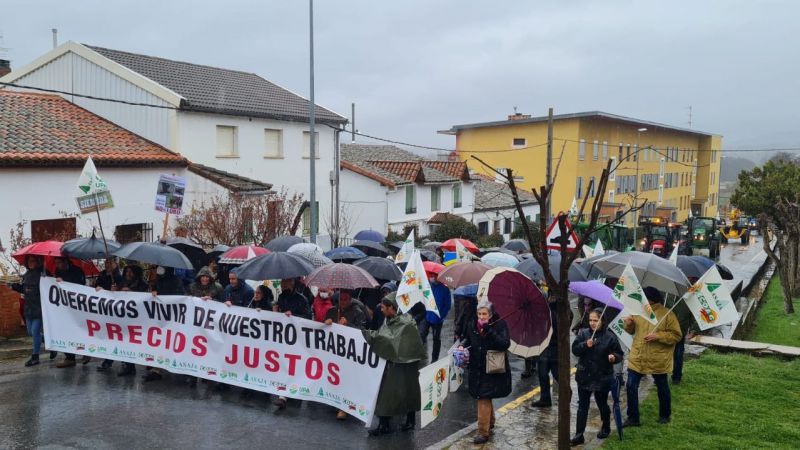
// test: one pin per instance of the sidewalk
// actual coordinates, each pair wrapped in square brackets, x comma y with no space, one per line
[16,348]
[518,425]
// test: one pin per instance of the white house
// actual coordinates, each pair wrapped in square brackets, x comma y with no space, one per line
[44,143]
[495,211]
[234,121]
[384,187]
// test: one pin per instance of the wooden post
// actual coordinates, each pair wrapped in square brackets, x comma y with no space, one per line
[100,224]
[166,228]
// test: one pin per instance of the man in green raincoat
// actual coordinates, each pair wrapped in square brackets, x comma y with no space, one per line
[398,342]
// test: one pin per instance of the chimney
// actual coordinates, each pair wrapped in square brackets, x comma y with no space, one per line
[5,67]
[518,116]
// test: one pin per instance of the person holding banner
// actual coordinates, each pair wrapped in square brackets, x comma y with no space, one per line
[489,371]
[237,292]
[110,278]
[205,287]
[651,354]
[598,350]
[349,314]
[29,288]
[66,271]
[132,279]
[262,298]
[167,283]
[292,303]
[398,342]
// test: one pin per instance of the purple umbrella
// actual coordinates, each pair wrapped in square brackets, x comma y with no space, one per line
[523,307]
[596,291]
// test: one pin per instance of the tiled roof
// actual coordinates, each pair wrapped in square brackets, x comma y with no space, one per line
[223,91]
[393,166]
[440,217]
[47,130]
[232,182]
[492,195]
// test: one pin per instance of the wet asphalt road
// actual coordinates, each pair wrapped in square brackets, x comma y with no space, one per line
[81,408]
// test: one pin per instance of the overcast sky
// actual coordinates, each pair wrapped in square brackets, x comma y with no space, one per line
[417,66]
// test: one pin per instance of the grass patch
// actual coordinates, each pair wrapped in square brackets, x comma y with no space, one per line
[726,401]
[772,325]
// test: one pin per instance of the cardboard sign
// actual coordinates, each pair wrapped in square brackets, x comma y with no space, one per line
[169,196]
[93,202]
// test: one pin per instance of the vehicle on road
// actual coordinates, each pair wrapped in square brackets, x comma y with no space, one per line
[703,237]
[736,228]
[613,236]
[659,235]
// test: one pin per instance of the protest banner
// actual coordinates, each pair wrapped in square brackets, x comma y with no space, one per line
[630,293]
[259,350]
[95,202]
[710,301]
[404,254]
[169,196]
[414,287]
[434,382]
[617,326]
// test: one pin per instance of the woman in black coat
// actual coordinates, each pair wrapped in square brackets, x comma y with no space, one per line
[597,350]
[487,333]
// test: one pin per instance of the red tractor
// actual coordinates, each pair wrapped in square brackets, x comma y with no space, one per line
[658,235]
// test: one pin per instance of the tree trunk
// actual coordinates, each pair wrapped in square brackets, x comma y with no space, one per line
[564,375]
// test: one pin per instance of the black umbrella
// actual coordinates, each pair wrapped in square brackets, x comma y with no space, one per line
[216,252]
[371,248]
[696,266]
[381,268]
[397,245]
[154,253]
[274,266]
[89,248]
[345,254]
[282,243]
[192,250]
[517,245]
[428,255]
[534,271]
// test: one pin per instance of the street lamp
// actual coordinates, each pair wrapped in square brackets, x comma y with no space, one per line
[636,185]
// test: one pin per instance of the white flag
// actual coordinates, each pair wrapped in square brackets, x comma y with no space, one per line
[414,286]
[673,258]
[630,293]
[710,301]
[617,326]
[587,251]
[598,248]
[406,250]
[462,253]
[573,210]
[433,389]
[89,181]
[690,213]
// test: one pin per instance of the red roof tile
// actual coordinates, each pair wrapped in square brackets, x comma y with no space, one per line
[406,170]
[47,130]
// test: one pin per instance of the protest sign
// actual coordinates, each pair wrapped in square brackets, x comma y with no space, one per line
[630,293]
[456,373]
[89,181]
[433,387]
[404,254]
[258,350]
[414,287]
[617,326]
[710,301]
[169,196]
[94,202]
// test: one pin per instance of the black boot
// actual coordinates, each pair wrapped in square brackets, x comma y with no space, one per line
[410,422]
[605,430]
[128,369]
[382,428]
[105,365]
[577,439]
[33,361]
[529,366]
[53,355]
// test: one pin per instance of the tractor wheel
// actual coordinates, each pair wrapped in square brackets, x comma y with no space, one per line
[745,238]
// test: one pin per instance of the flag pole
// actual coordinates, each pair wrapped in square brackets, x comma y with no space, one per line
[100,223]
[601,318]
[665,315]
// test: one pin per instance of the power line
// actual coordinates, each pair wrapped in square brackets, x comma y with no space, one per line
[91,97]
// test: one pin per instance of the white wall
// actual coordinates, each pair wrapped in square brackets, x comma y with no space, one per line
[502,214]
[197,140]
[73,73]
[397,205]
[38,194]
[364,200]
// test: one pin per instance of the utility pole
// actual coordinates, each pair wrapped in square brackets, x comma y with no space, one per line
[353,123]
[312,153]
[636,185]
[549,165]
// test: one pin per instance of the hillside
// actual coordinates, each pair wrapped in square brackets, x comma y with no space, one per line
[731,166]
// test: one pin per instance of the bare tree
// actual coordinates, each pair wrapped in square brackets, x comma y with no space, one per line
[16,241]
[342,229]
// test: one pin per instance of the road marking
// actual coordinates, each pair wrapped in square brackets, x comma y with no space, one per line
[516,403]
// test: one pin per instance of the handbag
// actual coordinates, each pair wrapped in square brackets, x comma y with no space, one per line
[495,361]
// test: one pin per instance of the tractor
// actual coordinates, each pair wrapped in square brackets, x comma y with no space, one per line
[736,228]
[613,236]
[703,237]
[658,235]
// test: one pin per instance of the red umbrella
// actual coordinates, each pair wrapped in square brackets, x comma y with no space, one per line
[523,307]
[432,267]
[241,253]
[341,276]
[450,245]
[51,250]
[463,273]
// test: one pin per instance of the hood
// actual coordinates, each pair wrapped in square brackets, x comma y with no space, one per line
[204,271]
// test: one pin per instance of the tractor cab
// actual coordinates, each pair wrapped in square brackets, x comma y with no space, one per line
[613,236]
[703,237]
[658,235]
[736,228]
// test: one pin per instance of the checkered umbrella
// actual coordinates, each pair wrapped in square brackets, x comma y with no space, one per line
[341,276]
[312,252]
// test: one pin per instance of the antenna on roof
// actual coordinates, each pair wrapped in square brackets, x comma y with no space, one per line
[515,110]
[690,116]
[55,37]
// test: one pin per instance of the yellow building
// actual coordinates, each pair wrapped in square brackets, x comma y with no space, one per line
[675,170]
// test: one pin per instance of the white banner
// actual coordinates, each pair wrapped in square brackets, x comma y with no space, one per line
[630,293]
[434,382]
[617,326]
[710,302]
[263,351]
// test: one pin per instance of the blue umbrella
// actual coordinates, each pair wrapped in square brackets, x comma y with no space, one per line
[468,290]
[345,254]
[282,243]
[498,259]
[370,235]
[617,412]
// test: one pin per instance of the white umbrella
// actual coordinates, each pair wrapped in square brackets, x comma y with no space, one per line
[651,270]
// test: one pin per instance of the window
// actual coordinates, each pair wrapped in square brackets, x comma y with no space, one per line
[411,199]
[499,174]
[605,150]
[226,141]
[483,228]
[635,152]
[507,227]
[496,227]
[612,176]
[611,196]
[660,194]
[307,218]
[436,198]
[582,150]
[307,145]
[579,187]
[620,152]
[457,196]
[661,168]
[591,187]
[519,142]
[273,143]
[135,232]
[595,150]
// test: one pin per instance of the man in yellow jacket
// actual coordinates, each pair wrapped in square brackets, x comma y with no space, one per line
[651,354]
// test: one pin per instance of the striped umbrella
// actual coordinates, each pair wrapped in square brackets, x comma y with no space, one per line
[341,276]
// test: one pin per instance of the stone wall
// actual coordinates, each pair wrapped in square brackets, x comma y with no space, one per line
[10,320]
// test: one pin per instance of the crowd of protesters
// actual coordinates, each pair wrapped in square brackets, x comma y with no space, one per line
[401,339]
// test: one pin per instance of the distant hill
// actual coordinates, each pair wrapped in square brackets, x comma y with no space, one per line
[731,166]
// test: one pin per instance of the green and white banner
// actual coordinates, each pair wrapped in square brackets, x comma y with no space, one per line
[710,301]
